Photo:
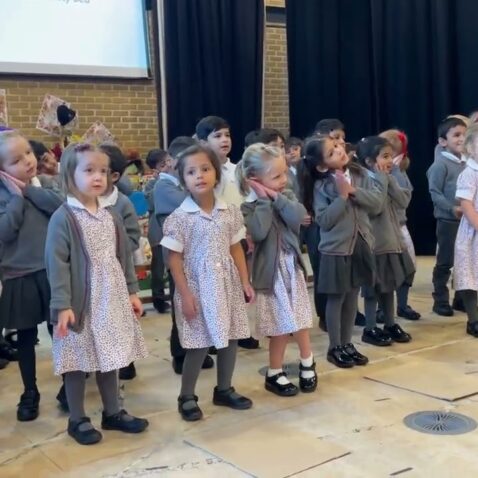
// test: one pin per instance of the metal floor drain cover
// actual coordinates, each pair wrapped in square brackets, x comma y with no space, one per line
[291,369]
[440,423]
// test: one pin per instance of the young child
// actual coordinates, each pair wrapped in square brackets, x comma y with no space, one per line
[466,245]
[25,209]
[393,264]
[94,305]
[46,160]
[159,162]
[293,155]
[273,217]
[442,176]
[209,269]
[344,196]
[333,128]
[401,162]
[168,195]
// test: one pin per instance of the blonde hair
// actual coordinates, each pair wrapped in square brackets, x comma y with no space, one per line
[393,137]
[69,162]
[470,137]
[254,163]
[463,118]
[7,135]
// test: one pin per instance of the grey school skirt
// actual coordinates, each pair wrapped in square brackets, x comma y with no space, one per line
[340,274]
[393,270]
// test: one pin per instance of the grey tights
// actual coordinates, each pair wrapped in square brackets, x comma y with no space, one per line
[340,315]
[385,302]
[469,298]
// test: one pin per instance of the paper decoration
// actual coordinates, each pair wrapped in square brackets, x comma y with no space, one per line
[48,120]
[98,133]
[3,108]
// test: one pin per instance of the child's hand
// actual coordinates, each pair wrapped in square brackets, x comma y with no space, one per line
[137,305]
[458,211]
[271,193]
[65,318]
[307,221]
[249,292]
[343,186]
[382,168]
[190,306]
[258,188]
[250,244]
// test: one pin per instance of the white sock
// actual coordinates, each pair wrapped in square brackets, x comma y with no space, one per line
[307,362]
[281,380]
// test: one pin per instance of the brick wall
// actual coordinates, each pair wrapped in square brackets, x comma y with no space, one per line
[128,108]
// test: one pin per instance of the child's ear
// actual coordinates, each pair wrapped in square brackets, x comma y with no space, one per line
[115,177]
[443,142]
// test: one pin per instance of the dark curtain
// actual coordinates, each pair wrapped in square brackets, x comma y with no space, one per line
[214,53]
[379,64]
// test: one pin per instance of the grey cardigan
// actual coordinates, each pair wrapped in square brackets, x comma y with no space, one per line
[341,220]
[405,184]
[68,265]
[125,210]
[385,224]
[272,224]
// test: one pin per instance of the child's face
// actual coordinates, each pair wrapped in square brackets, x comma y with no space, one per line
[292,155]
[454,140]
[338,135]
[165,166]
[335,156]
[385,158]
[91,174]
[199,174]
[220,142]
[275,177]
[18,159]
[48,164]
[278,143]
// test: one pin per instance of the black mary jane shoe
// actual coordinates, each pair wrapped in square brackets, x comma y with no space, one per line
[307,385]
[377,337]
[225,398]
[272,385]
[7,352]
[250,343]
[128,372]
[443,308]
[120,423]
[339,357]
[357,357]
[191,414]
[359,319]
[29,406]
[397,334]
[408,313]
[472,328]
[86,437]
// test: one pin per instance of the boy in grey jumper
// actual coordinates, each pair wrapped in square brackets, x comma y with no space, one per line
[442,177]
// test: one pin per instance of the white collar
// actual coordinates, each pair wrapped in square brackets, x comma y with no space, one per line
[228,164]
[35,182]
[293,170]
[73,202]
[471,163]
[252,196]
[191,206]
[169,177]
[453,158]
[111,199]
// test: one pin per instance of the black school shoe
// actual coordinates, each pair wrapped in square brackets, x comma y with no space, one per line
[472,328]
[339,357]
[118,422]
[397,334]
[307,385]
[377,337]
[29,406]
[355,355]
[62,400]
[3,363]
[161,306]
[178,363]
[128,372]
[250,343]
[87,437]
[224,398]
[272,385]
[408,313]
[359,319]
[191,414]
[7,352]
[443,308]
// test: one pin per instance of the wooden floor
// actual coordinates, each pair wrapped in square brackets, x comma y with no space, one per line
[351,427]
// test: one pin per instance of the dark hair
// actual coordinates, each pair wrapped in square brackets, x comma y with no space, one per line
[293,141]
[447,124]
[197,149]
[118,161]
[154,157]
[179,144]
[209,124]
[313,157]
[251,138]
[327,125]
[350,147]
[369,148]
[268,135]
[38,148]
